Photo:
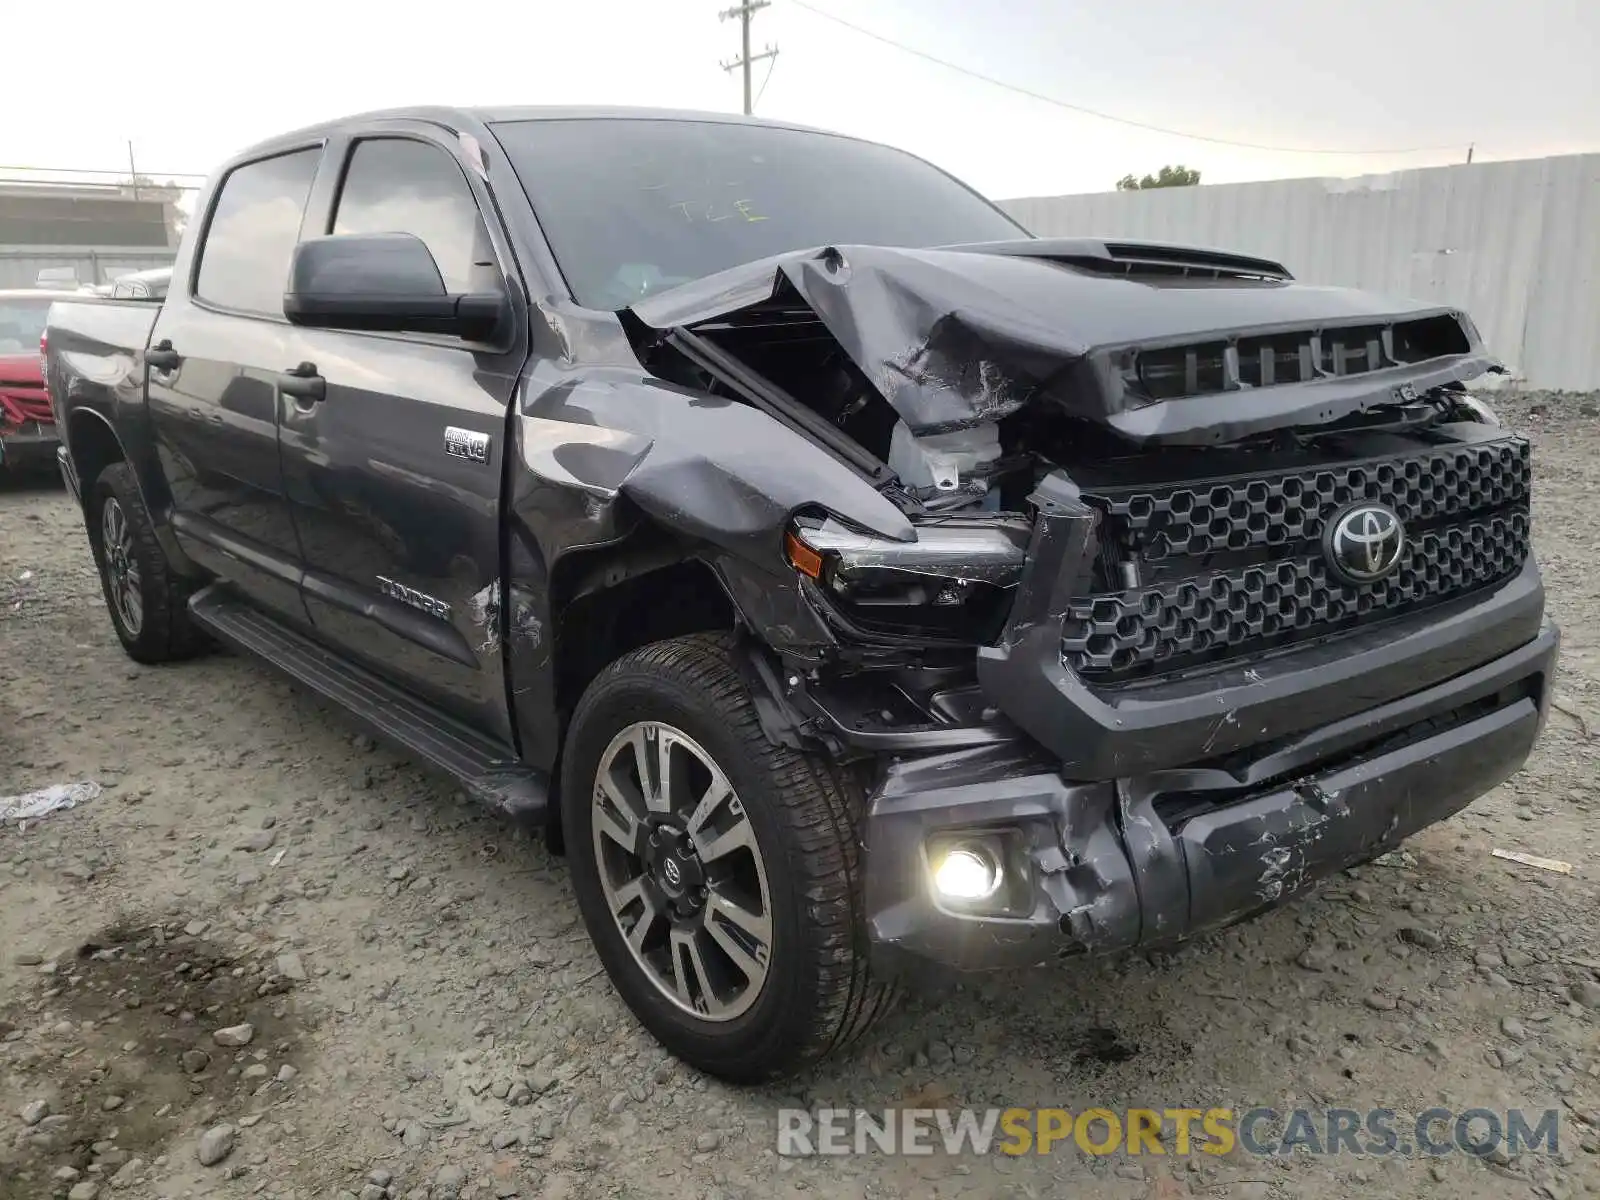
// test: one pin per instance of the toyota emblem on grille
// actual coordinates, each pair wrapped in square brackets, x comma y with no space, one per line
[1364,543]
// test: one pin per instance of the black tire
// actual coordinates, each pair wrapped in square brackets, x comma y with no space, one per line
[818,995]
[161,631]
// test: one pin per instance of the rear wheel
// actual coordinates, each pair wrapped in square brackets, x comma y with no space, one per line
[146,600]
[718,875]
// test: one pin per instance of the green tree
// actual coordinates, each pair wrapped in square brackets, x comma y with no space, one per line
[1178,176]
[177,197]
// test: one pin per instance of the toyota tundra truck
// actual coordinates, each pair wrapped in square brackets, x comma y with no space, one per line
[847,582]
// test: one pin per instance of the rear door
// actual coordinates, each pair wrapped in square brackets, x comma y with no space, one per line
[394,474]
[215,359]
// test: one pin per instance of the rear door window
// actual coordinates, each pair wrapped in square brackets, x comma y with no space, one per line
[397,185]
[244,260]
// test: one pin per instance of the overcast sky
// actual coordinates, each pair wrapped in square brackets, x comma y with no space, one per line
[190,82]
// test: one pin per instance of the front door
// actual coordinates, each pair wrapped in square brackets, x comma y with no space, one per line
[393,461]
[213,376]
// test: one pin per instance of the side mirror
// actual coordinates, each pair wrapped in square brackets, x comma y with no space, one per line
[386,282]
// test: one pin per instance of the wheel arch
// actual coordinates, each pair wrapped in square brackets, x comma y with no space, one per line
[628,601]
[94,445]
[606,604]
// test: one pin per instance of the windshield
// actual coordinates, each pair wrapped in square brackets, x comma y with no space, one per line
[635,206]
[22,323]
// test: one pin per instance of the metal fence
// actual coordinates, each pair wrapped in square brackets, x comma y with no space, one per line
[1515,244]
[70,266]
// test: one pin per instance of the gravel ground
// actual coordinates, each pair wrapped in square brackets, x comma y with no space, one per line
[274,960]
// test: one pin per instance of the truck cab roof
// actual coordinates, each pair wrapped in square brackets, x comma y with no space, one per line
[466,118]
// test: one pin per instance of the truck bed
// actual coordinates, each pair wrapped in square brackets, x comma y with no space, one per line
[95,351]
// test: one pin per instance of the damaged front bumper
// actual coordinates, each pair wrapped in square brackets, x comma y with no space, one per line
[1153,858]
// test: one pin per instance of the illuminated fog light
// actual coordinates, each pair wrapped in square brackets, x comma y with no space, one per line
[967,873]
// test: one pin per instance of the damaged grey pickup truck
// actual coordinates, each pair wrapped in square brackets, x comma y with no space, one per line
[845,580]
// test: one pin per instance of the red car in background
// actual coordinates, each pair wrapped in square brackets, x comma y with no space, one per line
[27,426]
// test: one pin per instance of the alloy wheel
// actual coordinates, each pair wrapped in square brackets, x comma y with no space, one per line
[122,566]
[682,871]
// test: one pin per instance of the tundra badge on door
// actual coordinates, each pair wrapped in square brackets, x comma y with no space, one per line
[416,599]
[466,443]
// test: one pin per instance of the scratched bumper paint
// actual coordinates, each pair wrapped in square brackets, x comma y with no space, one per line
[1158,858]
[1270,848]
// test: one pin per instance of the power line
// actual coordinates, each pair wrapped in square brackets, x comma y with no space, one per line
[746,10]
[119,171]
[1084,109]
[91,185]
[762,90]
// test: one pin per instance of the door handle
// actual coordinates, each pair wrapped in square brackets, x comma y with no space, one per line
[162,356]
[304,384]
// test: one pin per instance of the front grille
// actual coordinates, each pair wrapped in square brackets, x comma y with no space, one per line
[1294,356]
[1238,567]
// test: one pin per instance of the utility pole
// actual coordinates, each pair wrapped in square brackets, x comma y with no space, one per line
[133,171]
[746,10]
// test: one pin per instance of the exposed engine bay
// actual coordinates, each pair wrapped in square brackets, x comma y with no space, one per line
[935,375]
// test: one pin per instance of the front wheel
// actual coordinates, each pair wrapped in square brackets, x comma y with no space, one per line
[718,874]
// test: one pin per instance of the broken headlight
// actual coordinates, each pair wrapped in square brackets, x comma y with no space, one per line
[954,582]
[1471,408]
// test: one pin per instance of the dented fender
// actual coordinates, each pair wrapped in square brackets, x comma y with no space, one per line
[712,469]
[591,458]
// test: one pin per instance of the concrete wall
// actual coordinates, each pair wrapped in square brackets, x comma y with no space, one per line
[52,215]
[1515,244]
[20,265]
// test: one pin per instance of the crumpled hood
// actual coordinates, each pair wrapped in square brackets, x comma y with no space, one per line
[953,337]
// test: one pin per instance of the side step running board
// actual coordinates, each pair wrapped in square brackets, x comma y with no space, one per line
[486,770]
